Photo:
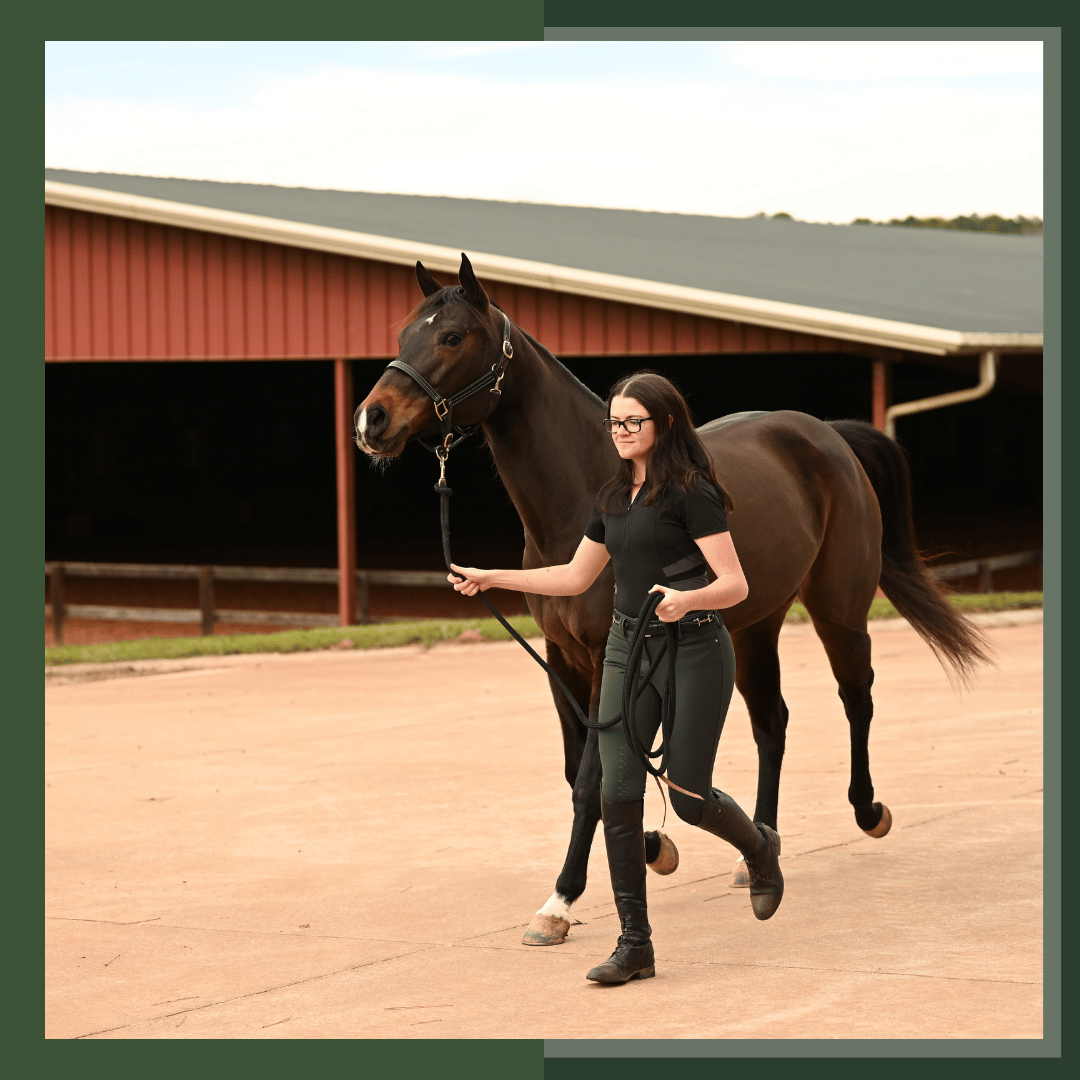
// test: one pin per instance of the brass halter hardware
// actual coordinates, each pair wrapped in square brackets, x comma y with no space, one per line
[442,453]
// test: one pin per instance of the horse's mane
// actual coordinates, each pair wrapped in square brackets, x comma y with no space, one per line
[552,358]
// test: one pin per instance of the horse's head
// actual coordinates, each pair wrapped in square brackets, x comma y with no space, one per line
[454,337]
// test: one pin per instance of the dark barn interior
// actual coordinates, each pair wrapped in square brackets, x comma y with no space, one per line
[233,463]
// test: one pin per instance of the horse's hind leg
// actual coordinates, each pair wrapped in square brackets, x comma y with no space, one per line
[551,923]
[848,649]
[838,593]
[757,676]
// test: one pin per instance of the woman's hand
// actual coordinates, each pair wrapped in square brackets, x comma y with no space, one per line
[475,580]
[674,605]
[566,579]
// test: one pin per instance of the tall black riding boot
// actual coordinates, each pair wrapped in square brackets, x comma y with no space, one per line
[625,842]
[759,845]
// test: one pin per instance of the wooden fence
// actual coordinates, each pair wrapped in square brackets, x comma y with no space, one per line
[207,614]
[985,567]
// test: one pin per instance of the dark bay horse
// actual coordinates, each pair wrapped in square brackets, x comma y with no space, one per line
[822,513]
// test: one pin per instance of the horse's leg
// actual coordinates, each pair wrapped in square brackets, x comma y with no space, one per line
[573,733]
[551,923]
[837,596]
[757,676]
[848,650]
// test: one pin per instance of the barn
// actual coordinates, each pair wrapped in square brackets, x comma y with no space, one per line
[207,342]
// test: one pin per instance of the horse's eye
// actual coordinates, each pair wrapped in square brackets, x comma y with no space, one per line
[452,339]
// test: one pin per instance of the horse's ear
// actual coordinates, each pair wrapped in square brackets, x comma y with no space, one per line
[473,289]
[428,285]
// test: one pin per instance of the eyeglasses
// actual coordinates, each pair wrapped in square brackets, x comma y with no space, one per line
[633,426]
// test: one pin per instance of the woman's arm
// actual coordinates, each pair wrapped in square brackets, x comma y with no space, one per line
[726,591]
[569,579]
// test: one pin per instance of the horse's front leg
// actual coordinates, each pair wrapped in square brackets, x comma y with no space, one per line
[551,923]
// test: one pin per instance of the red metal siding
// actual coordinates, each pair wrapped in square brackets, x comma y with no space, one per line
[118,289]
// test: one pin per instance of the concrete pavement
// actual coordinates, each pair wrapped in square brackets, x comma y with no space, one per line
[350,844]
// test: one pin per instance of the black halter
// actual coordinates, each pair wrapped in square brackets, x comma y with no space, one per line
[444,406]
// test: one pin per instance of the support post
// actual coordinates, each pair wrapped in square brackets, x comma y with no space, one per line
[56,600]
[346,491]
[206,599]
[879,393]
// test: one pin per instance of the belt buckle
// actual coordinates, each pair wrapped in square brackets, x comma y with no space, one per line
[708,619]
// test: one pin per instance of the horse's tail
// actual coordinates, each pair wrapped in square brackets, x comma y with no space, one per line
[914,591]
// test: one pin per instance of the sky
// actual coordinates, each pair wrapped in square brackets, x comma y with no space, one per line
[824,131]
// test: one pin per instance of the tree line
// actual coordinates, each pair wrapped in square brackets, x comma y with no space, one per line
[992,223]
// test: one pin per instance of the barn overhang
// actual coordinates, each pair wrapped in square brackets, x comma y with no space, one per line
[796,319]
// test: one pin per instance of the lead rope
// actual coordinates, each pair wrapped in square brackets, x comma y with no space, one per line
[633,685]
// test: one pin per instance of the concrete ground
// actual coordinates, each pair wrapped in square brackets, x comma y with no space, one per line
[350,845]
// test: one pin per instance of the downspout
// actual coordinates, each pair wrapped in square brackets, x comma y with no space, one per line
[987,378]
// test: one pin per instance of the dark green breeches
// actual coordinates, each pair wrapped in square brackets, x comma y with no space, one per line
[704,680]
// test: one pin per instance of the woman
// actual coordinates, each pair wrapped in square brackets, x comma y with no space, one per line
[661,518]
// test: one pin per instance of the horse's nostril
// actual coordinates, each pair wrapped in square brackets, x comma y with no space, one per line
[373,421]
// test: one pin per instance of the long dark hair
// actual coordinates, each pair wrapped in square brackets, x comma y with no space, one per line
[678,456]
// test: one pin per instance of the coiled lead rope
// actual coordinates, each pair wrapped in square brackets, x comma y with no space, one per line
[633,685]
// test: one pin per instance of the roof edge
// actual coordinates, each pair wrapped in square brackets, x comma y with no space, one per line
[774,314]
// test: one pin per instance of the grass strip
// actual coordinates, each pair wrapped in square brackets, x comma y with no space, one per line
[373,636]
[427,632]
[969,603]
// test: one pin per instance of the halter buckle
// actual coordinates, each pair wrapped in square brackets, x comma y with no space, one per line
[508,349]
[445,409]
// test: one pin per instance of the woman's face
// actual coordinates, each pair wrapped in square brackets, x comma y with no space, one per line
[637,446]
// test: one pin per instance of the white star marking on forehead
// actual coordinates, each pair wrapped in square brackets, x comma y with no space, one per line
[431,318]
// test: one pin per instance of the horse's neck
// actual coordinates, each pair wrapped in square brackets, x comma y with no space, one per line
[550,450]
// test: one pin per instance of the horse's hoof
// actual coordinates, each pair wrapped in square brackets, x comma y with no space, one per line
[667,862]
[883,826]
[546,930]
[740,876]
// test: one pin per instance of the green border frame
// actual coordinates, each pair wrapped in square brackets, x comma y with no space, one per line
[423,20]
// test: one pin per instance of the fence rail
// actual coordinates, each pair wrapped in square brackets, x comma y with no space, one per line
[985,567]
[206,614]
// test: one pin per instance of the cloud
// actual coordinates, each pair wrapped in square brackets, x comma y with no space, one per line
[688,146]
[845,61]
[450,50]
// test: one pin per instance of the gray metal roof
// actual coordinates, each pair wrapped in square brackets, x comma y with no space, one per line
[971,282]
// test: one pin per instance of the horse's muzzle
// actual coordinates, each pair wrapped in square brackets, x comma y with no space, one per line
[372,424]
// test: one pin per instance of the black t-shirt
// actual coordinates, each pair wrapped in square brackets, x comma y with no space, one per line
[654,545]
